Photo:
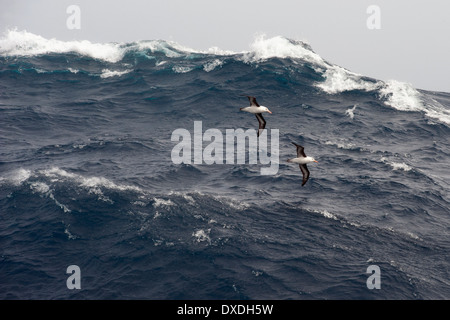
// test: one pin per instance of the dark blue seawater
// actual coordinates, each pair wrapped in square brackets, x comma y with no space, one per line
[87,178]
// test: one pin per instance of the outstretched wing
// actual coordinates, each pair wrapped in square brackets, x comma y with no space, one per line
[305,173]
[300,150]
[262,123]
[252,101]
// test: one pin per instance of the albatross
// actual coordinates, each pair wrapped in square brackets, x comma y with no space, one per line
[257,110]
[302,160]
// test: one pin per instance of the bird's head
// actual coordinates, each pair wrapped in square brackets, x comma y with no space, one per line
[311,159]
[265,109]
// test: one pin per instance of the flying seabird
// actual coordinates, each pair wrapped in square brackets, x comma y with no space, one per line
[302,160]
[257,110]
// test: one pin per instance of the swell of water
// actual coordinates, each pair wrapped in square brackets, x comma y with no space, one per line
[86,175]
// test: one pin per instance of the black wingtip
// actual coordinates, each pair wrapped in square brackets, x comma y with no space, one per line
[304,182]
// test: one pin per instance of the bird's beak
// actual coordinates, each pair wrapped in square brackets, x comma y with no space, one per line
[316,161]
[269,111]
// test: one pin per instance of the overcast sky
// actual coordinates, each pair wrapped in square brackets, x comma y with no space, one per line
[411,45]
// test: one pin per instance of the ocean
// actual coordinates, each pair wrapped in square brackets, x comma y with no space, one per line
[88,176]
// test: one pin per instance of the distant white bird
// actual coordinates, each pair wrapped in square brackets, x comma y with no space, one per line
[302,160]
[257,110]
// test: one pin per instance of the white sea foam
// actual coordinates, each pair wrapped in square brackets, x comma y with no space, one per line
[16,177]
[184,195]
[350,111]
[70,236]
[44,190]
[342,145]
[23,43]
[401,96]
[62,206]
[20,176]
[400,166]
[181,69]
[404,97]
[396,165]
[325,213]
[396,94]
[88,182]
[210,66]
[162,202]
[228,201]
[93,185]
[106,73]
[219,52]
[41,70]
[339,80]
[40,187]
[233,203]
[170,49]
[257,273]
[264,48]
[202,235]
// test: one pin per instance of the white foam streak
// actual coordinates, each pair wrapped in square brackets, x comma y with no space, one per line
[88,182]
[16,177]
[181,69]
[340,80]
[350,111]
[44,189]
[401,96]
[20,176]
[210,66]
[170,49]
[280,47]
[23,43]
[395,94]
[40,187]
[342,145]
[202,235]
[106,73]
[397,165]
[404,97]
[161,202]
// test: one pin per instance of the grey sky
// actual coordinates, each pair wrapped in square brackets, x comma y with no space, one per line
[411,46]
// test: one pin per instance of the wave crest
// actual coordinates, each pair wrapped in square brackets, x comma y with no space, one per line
[335,79]
[23,43]
[281,47]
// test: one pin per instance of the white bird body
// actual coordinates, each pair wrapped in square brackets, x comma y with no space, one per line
[255,109]
[302,160]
